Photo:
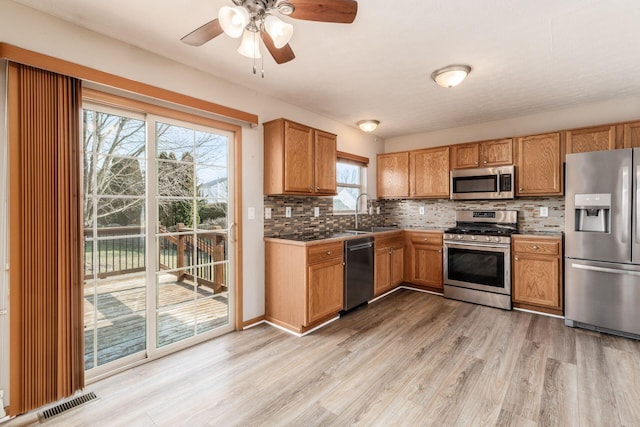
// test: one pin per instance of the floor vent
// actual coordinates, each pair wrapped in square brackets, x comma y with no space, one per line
[65,406]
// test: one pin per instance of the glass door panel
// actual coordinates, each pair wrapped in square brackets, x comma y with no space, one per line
[192,193]
[114,176]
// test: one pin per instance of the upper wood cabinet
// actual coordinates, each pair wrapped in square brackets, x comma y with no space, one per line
[591,139]
[298,159]
[632,135]
[429,172]
[393,175]
[482,154]
[539,165]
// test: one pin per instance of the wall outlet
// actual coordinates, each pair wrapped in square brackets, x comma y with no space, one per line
[316,212]
[378,210]
[421,209]
[267,213]
[287,212]
[544,212]
[251,213]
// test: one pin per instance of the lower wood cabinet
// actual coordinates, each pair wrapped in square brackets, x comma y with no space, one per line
[423,266]
[537,273]
[303,284]
[388,262]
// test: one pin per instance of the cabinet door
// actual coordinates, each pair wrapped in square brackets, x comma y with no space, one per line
[496,153]
[396,262]
[426,265]
[325,290]
[539,165]
[382,272]
[325,163]
[298,158]
[591,139]
[429,172]
[465,156]
[393,175]
[632,135]
[536,280]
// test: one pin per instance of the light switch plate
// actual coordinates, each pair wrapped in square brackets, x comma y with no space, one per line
[421,210]
[316,211]
[267,213]
[251,213]
[287,211]
[544,212]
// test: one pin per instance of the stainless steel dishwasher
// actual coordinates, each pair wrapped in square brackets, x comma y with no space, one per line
[358,271]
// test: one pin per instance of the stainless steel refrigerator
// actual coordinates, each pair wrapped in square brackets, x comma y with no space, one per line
[602,241]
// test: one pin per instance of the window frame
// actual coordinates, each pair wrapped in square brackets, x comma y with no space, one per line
[362,163]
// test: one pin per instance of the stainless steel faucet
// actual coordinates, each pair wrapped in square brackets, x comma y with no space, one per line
[358,205]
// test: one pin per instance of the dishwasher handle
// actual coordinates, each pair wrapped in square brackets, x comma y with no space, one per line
[360,246]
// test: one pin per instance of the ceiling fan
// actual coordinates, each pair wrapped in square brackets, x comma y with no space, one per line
[257,18]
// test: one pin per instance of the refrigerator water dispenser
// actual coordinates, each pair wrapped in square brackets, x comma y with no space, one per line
[593,212]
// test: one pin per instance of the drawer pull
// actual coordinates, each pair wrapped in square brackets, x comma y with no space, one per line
[516,259]
[328,252]
[534,247]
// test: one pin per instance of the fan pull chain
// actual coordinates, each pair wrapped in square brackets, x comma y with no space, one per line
[254,53]
[262,65]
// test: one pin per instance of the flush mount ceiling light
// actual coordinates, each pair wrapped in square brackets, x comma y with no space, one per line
[368,125]
[255,20]
[451,75]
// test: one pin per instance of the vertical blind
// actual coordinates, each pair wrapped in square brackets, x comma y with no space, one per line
[45,265]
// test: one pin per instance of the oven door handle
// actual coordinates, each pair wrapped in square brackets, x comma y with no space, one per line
[478,245]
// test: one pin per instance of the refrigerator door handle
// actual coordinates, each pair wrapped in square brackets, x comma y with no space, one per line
[637,196]
[605,270]
[626,196]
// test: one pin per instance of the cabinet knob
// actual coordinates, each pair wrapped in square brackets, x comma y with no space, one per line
[516,259]
[439,251]
[317,188]
[476,163]
[534,247]
[485,162]
[328,252]
[520,189]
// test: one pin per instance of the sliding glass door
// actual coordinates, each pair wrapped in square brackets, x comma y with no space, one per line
[156,213]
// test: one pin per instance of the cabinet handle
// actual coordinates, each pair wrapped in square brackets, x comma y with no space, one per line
[439,251]
[534,247]
[520,189]
[485,162]
[328,252]
[516,259]
[476,163]
[317,188]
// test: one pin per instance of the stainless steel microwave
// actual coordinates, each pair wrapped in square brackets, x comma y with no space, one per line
[483,183]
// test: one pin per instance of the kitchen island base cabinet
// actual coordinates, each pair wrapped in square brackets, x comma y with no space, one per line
[388,262]
[537,273]
[303,284]
[423,268]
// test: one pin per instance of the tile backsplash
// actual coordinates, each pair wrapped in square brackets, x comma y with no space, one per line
[438,213]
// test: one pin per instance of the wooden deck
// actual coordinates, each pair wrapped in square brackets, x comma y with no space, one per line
[121,315]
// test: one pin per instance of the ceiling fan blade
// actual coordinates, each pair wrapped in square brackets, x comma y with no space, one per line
[282,55]
[203,34]
[340,11]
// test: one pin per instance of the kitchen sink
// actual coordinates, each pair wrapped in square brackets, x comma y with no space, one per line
[371,230]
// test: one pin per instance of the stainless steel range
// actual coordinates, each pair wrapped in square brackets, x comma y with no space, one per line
[477,257]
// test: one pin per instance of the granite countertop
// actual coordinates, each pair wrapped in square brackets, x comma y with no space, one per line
[310,239]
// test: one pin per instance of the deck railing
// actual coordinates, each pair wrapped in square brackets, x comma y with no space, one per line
[121,250]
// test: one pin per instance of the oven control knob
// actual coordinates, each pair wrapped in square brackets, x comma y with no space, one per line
[473,237]
[488,239]
[448,236]
[459,236]
[496,239]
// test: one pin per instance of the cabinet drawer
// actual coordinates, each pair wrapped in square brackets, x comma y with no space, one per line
[541,247]
[321,253]
[426,238]
[395,240]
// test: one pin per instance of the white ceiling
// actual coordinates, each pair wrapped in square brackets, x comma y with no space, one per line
[528,56]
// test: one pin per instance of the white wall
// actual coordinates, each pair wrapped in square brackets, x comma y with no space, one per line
[618,110]
[29,29]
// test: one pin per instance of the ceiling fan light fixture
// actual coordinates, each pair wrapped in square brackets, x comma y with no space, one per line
[250,45]
[233,20]
[279,30]
[451,75]
[368,125]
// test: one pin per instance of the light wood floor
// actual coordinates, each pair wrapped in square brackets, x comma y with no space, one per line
[409,359]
